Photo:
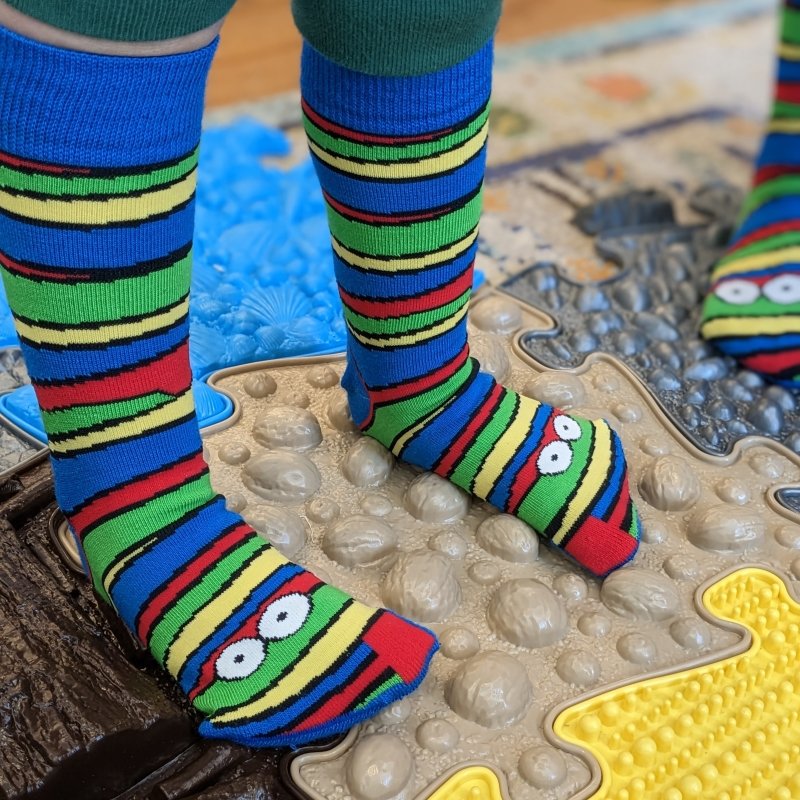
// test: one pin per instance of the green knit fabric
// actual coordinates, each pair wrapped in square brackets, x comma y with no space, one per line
[387,37]
[127,20]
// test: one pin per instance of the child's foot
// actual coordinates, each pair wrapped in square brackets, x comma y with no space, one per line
[753,310]
[97,176]
[401,163]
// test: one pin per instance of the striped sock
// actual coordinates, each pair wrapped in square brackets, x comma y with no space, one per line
[401,163]
[97,174]
[753,309]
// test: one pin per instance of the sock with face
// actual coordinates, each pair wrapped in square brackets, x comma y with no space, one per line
[752,311]
[98,157]
[401,163]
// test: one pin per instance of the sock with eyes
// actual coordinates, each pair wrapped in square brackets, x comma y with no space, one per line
[401,163]
[98,159]
[752,311]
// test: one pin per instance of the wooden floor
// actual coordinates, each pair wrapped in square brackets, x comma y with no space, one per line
[260,48]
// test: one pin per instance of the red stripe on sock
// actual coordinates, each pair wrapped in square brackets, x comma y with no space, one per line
[457,449]
[342,700]
[41,273]
[304,583]
[788,92]
[384,219]
[190,572]
[386,309]
[774,229]
[137,492]
[773,363]
[620,511]
[367,138]
[13,161]
[774,171]
[170,374]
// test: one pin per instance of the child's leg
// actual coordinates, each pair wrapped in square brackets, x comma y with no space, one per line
[753,310]
[397,130]
[98,161]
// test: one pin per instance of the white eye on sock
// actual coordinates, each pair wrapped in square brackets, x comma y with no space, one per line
[738,292]
[554,458]
[284,617]
[785,289]
[240,659]
[567,428]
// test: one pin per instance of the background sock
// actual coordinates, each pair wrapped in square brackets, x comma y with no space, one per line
[753,309]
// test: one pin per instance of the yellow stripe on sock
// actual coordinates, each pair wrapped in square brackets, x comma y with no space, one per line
[750,326]
[783,125]
[773,258]
[400,444]
[169,412]
[413,338]
[503,451]
[338,638]
[120,565]
[220,608]
[101,212]
[789,51]
[433,165]
[406,263]
[102,334]
[591,480]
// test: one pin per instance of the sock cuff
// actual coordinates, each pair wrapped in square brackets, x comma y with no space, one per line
[400,106]
[69,107]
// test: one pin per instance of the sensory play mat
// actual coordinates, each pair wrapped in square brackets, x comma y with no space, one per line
[618,157]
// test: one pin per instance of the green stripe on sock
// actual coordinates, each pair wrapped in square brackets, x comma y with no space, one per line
[96,302]
[403,326]
[73,420]
[406,240]
[767,245]
[360,152]
[55,186]
[104,543]
[777,187]
[550,492]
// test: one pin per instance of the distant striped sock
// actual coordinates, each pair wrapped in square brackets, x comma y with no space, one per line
[753,309]
[401,162]
[95,250]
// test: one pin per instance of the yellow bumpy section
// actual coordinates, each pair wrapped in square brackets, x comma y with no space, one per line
[470,783]
[728,730]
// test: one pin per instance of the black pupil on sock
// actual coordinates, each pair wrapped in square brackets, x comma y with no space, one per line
[554,457]
[282,616]
[238,659]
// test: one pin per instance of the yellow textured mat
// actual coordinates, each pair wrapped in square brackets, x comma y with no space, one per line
[470,783]
[727,730]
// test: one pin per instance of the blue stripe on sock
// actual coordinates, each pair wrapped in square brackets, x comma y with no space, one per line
[405,196]
[426,447]
[789,266]
[99,247]
[371,285]
[167,557]
[501,492]
[779,148]
[83,476]
[388,368]
[190,672]
[614,484]
[402,106]
[747,345]
[788,70]
[781,209]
